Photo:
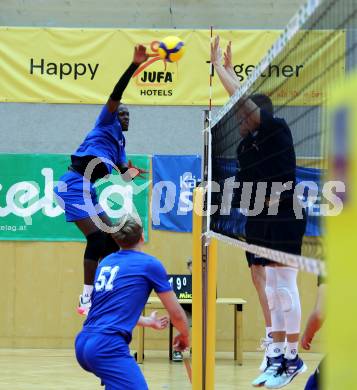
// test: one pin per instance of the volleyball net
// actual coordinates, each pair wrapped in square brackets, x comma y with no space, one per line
[308,75]
[317,48]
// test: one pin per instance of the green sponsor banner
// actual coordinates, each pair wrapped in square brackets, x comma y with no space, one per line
[29,211]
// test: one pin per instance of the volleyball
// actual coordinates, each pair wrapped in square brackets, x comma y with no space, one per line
[171,49]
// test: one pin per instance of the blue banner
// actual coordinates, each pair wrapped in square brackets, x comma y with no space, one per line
[174,178]
[311,175]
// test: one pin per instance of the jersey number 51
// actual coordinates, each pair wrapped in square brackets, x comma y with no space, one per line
[106,278]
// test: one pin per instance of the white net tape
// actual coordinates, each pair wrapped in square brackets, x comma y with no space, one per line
[303,263]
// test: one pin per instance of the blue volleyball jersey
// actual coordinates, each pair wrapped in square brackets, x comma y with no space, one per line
[105,140]
[123,283]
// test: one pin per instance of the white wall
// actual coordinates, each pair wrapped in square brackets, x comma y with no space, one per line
[237,14]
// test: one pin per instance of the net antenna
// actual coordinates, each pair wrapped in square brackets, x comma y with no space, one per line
[208,146]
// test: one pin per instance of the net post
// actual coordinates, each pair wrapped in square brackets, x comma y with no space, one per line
[211,314]
[204,239]
[197,301]
[208,268]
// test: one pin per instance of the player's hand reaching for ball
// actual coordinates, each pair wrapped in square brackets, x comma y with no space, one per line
[156,322]
[140,54]
[181,342]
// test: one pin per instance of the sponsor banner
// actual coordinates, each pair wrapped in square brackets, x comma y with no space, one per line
[67,65]
[174,178]
[28,210]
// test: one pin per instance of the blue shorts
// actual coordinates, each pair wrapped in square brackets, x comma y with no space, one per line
[77,197]
[108,357]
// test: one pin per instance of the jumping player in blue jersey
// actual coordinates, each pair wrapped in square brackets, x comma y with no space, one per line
[123,283]
[102,149]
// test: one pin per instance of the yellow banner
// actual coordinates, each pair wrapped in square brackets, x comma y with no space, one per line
[52,65]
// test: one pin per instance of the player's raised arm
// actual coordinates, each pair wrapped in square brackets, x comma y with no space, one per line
[139,57]
[249,110]
[178,318]
[228,82]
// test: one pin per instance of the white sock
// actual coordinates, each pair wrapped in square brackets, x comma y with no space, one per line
[268,330]
[291,350]
[87,291]
[276,349]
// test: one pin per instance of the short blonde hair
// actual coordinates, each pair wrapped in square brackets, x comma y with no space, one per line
[130,231]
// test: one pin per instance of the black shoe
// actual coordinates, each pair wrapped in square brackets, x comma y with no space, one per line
[177,356]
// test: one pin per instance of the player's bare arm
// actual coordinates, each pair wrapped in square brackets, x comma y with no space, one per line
[130,172]
[315,320]
[249,110]
[178,318]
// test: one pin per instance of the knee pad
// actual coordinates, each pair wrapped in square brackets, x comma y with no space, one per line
[110,245]
[271,297]
[285,298]
[95,245]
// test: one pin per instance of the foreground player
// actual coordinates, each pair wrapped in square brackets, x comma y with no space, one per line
[104,146]
[313,325]
[266,154]
[123,283]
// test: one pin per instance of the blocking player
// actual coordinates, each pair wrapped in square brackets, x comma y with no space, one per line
[103,148]
[266,155]
[123,283]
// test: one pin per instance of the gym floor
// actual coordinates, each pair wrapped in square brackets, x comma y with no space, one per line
[53,369]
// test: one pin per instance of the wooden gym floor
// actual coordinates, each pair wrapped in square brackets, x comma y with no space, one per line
[57,369]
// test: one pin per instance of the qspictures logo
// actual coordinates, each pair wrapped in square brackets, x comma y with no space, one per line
[156,77]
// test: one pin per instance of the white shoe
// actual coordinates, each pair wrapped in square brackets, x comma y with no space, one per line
[84,306]
[265,342]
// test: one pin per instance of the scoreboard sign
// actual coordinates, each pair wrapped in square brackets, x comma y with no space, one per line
[182,286]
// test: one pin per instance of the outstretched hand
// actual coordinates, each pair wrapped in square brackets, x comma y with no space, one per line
[216,52]
[156,322]
[140,54]
[228,56]
[136,171]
